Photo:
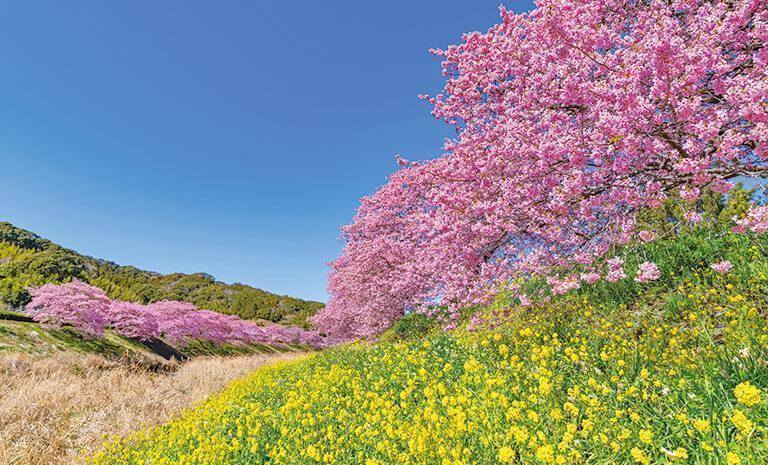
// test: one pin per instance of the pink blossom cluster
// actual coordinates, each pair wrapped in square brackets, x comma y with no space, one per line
[88,309]
[723,267]
[563,286]
[569,119]
[79,304]
[693,217]
[647,271]
[615,270]
[689,193]
[756,220]
[590,277]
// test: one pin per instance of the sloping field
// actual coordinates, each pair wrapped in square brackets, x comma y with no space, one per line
[671,371]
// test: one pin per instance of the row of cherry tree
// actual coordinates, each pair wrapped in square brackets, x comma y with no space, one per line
[89,310]
[570,119]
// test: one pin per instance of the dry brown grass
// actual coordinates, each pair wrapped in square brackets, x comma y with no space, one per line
[55,409]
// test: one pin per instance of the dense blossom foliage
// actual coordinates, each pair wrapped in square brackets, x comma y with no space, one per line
[88,309]
[678,379]
[570,119]
[647,271]
[85,307]
[131,320]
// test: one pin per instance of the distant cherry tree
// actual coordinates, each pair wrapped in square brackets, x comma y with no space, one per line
[88,309]
[176,321]
[77,304]
[569,120]
[134,320]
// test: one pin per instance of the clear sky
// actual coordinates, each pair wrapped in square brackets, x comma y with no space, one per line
[230,137]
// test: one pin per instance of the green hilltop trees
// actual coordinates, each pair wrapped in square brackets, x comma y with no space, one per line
[29,260]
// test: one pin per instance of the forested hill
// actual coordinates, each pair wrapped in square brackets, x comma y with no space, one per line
[27,259]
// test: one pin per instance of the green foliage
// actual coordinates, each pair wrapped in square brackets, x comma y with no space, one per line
[683,250]
[28,260]
[13,293]
[410,327]
[716,209]
[685,256]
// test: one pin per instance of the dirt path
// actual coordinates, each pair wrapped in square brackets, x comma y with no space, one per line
[55,408]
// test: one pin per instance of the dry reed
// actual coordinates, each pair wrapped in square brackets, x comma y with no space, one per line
[53,410]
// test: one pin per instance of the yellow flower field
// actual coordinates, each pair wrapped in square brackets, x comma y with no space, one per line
[677,378]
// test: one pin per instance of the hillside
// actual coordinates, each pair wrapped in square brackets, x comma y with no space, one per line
[673,370]
[27,259]
[19,335]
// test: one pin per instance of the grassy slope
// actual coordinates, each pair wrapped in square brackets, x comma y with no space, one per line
[21,337]
[27,259]
[616,373]
[30,338]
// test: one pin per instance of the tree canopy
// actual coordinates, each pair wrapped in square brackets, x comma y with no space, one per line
[570,120]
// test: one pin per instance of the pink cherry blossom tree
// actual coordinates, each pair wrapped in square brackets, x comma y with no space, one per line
[88,309]
[133,320]
[176,321]
[569,119]
[80,305]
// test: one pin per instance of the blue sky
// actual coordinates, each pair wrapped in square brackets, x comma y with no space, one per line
[230,137]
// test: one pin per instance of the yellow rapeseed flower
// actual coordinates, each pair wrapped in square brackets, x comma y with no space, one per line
[546,454]
[640,456]
[506,454]
[741,422]
[679,454]
[747,394]
[702,426]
